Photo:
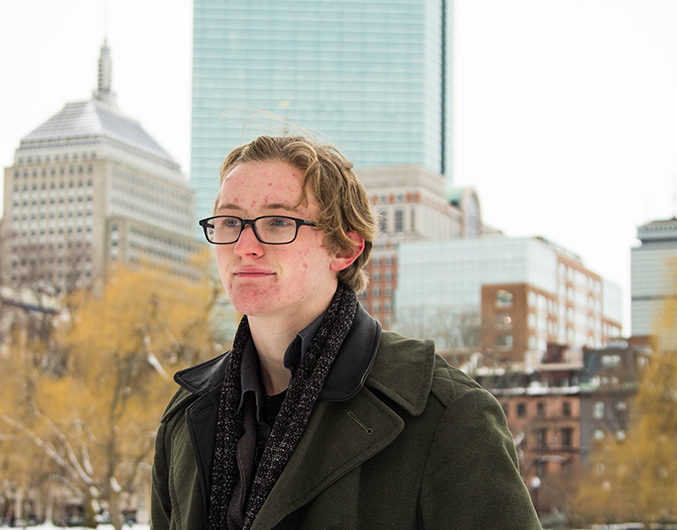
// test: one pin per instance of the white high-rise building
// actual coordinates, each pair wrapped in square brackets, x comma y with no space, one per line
[653,265]
[88,187]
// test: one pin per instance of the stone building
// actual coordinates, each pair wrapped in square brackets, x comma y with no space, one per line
[90,187]
[653,264]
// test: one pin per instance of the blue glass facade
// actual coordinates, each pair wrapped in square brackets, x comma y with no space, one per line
[373,78]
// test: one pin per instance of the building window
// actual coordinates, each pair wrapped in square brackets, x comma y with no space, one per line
[541,435]
[566,409]
[399,221]
[611,360]
[382,222]
[567,437]
[504,319]
[598,410]
[540,409]
[521,410]
[503,298]
[504,342]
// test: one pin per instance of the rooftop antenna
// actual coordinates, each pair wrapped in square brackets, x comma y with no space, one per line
[104,86]
[106,6]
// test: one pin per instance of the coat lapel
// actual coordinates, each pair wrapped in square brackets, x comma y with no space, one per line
[338,438]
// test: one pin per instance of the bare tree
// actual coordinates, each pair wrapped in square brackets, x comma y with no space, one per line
[456,334]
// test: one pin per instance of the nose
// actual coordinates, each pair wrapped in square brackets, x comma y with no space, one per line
[248,244]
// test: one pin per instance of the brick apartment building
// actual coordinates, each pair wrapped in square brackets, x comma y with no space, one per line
[557,413]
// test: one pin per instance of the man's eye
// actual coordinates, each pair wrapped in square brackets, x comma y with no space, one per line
[279,222]
[230,223]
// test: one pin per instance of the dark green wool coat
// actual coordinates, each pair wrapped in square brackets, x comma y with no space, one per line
[420,445]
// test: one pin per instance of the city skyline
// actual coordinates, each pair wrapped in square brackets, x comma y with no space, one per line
[565,117]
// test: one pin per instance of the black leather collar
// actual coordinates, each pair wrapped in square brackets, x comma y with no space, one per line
[346,377]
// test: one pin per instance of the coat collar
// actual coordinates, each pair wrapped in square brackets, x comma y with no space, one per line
[342,435]
[405,374]
[347,376]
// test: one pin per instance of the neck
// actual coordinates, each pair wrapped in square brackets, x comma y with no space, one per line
[272,335]
[271,343]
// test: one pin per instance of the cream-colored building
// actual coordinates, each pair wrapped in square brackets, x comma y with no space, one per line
[88,187]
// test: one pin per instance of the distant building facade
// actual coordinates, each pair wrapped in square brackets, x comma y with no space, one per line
[557,412]
[374,78]
[89,187]
[653,267]
[411,203]
[545,424]
[523,292]
[543,411]
[609,383]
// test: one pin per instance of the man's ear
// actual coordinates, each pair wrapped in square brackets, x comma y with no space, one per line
[344,258]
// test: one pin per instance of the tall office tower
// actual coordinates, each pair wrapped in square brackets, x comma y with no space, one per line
[653,265]
[90,186]
[373,78]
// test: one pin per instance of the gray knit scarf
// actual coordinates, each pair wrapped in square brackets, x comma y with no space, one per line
[306,383]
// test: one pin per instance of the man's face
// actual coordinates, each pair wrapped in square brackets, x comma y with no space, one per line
[294,281]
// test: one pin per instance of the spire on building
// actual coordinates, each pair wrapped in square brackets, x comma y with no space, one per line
[104,91]
[98,120]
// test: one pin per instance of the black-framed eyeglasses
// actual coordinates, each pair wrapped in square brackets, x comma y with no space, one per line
[268,229]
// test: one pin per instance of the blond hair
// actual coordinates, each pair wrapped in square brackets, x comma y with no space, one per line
[343,202]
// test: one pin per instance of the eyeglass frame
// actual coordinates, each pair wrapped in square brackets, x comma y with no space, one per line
[244,222]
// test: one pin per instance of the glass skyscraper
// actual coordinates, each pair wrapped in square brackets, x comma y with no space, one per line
[371,77]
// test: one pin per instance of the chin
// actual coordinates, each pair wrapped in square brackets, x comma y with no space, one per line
[252,305]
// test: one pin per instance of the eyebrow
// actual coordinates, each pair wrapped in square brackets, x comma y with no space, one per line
[272,206]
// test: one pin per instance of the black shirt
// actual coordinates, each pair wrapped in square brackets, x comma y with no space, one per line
[259,412]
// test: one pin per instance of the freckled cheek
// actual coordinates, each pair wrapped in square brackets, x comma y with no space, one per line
[303,260]
[299,268]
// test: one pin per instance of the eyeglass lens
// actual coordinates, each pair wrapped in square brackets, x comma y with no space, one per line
[268,229]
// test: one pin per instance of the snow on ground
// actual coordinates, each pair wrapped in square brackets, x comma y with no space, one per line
[50,526]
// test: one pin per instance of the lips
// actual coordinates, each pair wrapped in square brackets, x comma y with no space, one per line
[252,273]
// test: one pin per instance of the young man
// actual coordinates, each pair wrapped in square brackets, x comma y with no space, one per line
[316,418]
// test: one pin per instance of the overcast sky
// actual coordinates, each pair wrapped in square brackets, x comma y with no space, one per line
[565,111]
